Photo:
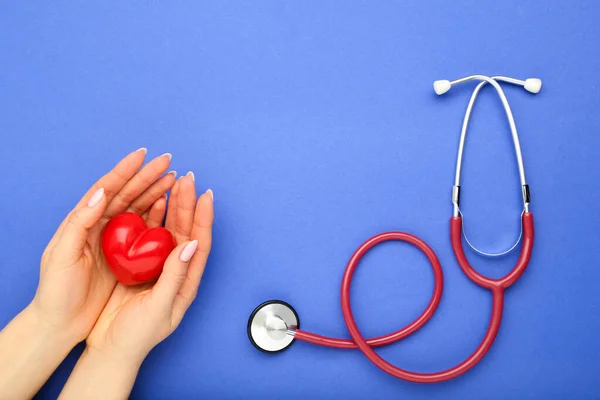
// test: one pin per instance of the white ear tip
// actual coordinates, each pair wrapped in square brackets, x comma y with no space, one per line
[533,85]
[441,86]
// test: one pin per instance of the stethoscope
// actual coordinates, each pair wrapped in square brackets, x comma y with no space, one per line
[274,325]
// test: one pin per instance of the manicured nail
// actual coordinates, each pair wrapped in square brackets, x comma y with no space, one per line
[191,174]
[210,193]
[168,155]
[96,197]
[142,150]
[174,173]
[188,251]
[166,196]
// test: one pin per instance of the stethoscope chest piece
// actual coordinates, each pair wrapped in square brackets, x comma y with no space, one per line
[272,325]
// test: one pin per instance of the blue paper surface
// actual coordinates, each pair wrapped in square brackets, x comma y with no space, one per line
[316,125]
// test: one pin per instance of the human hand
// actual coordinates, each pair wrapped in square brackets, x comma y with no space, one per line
[75,281]
[137,318]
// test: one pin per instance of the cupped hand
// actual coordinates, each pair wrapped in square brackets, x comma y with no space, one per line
[137,318]
[75,281]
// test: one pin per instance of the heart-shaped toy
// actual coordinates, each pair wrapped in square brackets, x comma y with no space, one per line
[134,253]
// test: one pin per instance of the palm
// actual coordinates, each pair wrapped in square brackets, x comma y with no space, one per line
[124,313]
[96,280]
[78,291]
[126,310]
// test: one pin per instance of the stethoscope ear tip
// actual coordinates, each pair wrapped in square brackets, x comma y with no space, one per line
[442,86]
[533,85]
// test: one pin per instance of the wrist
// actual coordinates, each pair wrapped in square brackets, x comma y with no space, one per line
[110,345]
[29,353]
[113,359]
[47,333]
[99,375]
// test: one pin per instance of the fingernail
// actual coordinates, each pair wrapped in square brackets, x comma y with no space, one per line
[142,150]
[174,173]
[210,193]
[188,251]
[96,197]
[168,155]
[192,175]
[166,196]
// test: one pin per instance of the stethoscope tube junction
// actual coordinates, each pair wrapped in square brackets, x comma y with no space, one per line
[274,325]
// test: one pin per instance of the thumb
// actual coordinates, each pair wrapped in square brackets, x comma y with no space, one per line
[79,222]
[174,273]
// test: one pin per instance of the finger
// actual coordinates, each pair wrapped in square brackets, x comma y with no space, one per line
[156,215]
[75,233]
[174,274]
[172,208]
[186,204]
[137,185]
[153,193]
[112,182]
[202,232]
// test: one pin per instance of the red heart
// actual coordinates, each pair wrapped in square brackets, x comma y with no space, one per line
[134,253]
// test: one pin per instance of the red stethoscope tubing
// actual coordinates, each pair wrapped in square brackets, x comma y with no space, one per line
[496,286]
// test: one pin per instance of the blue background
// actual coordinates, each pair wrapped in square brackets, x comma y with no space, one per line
[316,126]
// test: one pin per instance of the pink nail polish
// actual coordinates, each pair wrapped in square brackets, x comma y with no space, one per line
[210,193]
[143,150]
[96,197]
[191,174]
[188,251]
